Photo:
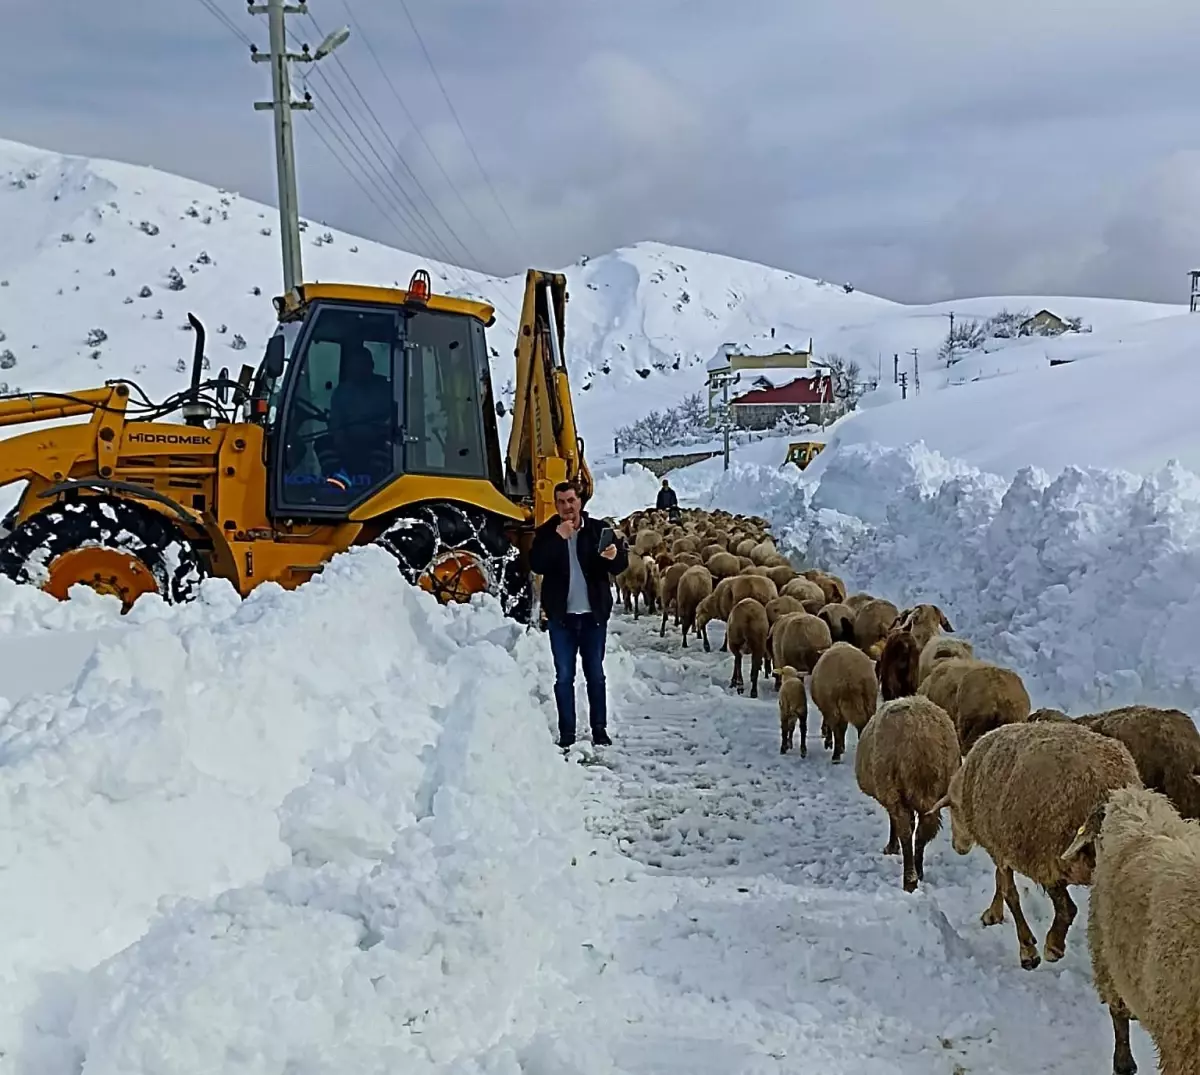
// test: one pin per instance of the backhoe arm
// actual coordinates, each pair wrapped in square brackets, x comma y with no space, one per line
[544,447]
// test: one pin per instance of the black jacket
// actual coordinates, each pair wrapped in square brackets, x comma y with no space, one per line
[666,499]
[548,558]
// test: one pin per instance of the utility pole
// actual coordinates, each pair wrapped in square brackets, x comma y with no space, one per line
[723,380]
[904,386]
[896,368]
[916,372]
[950,341]
[283,106]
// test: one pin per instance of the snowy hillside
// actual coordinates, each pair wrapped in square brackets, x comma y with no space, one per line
[88,250]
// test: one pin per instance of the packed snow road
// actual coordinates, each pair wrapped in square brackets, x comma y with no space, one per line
[791,946]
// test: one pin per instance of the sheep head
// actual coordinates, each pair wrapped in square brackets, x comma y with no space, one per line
[787,672]
[1080,855]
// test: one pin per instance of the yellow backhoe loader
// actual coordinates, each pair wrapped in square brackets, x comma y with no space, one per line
[370,420]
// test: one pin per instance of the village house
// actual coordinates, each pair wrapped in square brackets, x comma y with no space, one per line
[1043,323]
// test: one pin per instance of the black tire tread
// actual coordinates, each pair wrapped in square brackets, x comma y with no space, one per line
[427,530]
[111,522]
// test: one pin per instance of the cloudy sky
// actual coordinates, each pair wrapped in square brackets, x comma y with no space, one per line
[921,149]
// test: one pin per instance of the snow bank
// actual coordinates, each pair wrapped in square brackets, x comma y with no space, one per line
[1089,583]
[416,891]
[618,495]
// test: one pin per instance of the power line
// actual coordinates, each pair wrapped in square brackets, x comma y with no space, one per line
[453,112]
[226,21]
[366,39]
[398,155]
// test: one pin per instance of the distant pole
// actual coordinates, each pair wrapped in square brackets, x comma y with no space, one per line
[726,418]
[950,341]
[916,371]
[896,368]
[904,386]
[282,105]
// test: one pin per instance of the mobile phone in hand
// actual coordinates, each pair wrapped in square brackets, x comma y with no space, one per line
[607,538]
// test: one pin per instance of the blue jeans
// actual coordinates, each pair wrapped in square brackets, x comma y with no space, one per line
[578,636]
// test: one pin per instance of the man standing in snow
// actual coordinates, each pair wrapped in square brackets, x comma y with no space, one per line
[666,497]
[577,569]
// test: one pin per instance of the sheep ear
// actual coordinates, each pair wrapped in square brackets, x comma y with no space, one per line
[945,622]
[1196,777]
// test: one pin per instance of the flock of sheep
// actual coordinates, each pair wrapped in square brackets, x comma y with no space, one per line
[1097,800]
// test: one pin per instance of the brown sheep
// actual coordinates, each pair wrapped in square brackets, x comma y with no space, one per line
[798,639]
[941,685]
[708,552]
[1143,932]
[988,696]
[692,559]
[761,572]
[781,575]
[840,620]
[722,566]
[650,590]
[856,601]
[832,587]
[906,757]
[1022,794]
[844,690]
[694,587]
[756,586]
[793,710]
[648,542]
[1165,745]
[632,583]
[747,634]
[687,544]
[668,589]
[706,612]
[744,562]
[924,621]
[744,547]
[781,605]
[897,667]
[805,590]
[763,551]
[872,623]
[940,648]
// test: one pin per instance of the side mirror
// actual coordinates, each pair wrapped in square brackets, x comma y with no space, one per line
[275,357]
[223,386]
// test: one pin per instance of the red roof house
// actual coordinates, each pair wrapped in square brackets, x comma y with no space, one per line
[805,391]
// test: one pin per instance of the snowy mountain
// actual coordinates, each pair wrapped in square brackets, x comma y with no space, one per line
[100,263]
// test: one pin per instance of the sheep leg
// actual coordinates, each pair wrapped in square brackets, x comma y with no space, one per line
[1025,938]
[755,669]
[787,723]
[1064,914]
[636,600]
[826,733]
[766,664]
[662,631]
[685,626]
[802,720]
[1123,1062]
[927,829]
[893,844]
[839,743]
[704,636]
[736,680]
[994,915]
[903,821]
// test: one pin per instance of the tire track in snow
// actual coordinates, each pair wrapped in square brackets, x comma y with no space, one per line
[791,946]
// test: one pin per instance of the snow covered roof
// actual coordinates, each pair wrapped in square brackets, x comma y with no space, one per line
[762,346]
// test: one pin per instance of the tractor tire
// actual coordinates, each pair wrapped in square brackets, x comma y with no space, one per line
[454,551]
[112,544]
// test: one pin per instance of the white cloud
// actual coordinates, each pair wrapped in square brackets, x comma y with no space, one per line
[921,149]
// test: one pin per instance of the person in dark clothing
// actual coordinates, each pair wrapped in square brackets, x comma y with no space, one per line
[666,498]
[577,600]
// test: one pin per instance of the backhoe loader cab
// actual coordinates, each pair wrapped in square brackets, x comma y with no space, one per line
[370,420]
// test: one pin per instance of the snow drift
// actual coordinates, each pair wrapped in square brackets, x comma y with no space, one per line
[1088,582]
[408,883]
